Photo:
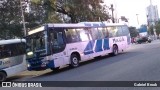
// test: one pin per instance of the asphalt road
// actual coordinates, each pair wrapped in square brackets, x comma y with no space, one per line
[140,62]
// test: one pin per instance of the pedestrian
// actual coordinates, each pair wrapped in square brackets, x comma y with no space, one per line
[132,40]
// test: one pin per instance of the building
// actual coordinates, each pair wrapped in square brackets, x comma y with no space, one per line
[152,14]
[152,17]
[143,30]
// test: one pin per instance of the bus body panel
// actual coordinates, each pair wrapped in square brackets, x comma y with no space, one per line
[11,61]
[63,58]
[17,68]
[12,56]
[88,52]
[121,42]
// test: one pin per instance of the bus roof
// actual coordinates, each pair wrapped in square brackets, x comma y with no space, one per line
[75,25]
[56,25]
[41,28]
[101,24]
[3,42]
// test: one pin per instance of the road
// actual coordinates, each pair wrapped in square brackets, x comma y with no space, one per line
[140,62]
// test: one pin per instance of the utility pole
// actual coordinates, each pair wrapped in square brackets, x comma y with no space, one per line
[149,33]
[112,9]
[137,19]
[150,2]
[23,20]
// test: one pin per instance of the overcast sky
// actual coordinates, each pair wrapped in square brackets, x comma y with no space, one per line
[130,8]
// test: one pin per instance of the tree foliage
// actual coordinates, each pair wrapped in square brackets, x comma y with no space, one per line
[123,18]
[48,11]
[133,31]
[78,10]
[151,30]
[157,27]
[10,18]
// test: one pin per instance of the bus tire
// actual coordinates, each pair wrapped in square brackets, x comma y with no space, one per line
[115,50]
[3,76]
[74,60]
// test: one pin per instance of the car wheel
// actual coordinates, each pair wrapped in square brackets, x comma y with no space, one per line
[149,41]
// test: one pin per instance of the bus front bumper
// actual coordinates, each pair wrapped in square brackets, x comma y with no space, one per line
[40,65]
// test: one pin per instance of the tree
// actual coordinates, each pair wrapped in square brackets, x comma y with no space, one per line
[48,11]
[133,31]
[10,19]
[151,31]
[78,10]
[123,18]
[41,12]
[157,27]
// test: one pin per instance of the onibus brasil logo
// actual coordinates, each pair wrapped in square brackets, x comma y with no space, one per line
[21,84]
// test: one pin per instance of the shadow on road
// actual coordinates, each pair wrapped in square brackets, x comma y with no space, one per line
[16,77]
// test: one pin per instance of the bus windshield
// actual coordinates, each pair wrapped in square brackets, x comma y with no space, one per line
[36,44]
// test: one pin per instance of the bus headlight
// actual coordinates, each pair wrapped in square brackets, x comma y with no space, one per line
[30,53]
[28,65]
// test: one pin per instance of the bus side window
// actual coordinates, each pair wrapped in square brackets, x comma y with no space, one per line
[105,32]
[2,51]
[89,33]
[125,30]
[72,35]
[120,31]
[6,52]
[53,39]
[112,31]
[60,39]
[57,43]
[84,34]
[101,34]
[13,48]
[21,48]
[95,33]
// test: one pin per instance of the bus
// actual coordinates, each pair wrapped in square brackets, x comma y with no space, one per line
[12,57]
[53,46]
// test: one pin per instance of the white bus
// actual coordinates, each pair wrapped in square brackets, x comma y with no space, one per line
[12,57]
[56,45]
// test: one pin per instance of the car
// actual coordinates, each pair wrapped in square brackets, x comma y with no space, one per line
[143,40]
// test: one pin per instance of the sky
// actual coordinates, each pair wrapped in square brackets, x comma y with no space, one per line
[129,9]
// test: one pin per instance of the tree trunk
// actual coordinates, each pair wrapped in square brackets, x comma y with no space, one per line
[73,18]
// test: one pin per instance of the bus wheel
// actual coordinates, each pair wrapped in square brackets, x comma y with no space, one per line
[74,61]
[2,76]
[115,50]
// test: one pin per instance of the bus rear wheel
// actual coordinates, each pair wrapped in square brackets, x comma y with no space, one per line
[2,76]
[115,50]
[74,60]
